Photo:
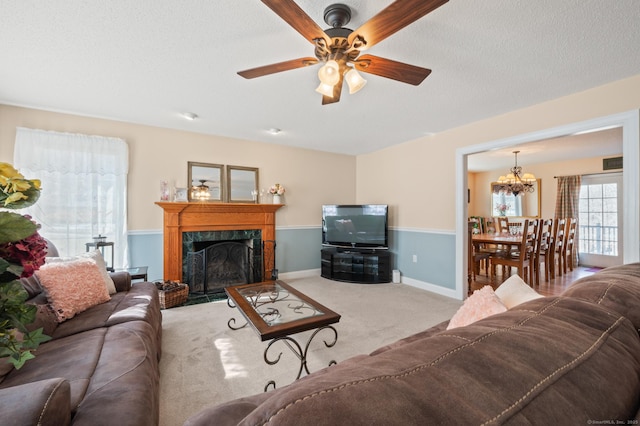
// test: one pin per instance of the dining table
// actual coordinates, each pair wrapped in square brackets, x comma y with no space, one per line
[497,238]
[514,241]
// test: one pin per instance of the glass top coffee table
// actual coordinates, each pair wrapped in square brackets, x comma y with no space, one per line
[275,310]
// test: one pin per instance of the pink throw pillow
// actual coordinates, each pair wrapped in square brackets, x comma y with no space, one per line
[481,304]
[96,255]
[73,287]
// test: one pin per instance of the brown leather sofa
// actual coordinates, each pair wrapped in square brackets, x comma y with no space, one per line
[100,368]
[572,359]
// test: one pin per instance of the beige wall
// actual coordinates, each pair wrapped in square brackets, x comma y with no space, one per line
[416,178]
[157,154]
[409,177]
[545,172]
[419,175]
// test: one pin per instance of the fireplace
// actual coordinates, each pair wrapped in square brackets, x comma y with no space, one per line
[213,260]
[216,222]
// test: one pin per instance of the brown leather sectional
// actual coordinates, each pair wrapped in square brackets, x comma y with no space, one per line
[571,359]
[100,368]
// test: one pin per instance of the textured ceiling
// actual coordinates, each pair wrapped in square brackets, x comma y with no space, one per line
[148,61]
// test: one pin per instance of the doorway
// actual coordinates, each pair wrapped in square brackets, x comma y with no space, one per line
[601,229]
[630,123]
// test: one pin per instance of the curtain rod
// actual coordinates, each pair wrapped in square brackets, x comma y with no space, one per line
[590,174]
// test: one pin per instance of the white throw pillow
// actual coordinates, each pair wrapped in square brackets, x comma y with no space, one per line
[96,256]
[515,291]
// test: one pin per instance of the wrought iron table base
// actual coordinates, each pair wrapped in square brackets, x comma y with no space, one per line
[277,311]
[233,320]
[298,352]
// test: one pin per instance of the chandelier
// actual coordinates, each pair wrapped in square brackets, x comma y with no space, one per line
[515,183]
[200,192]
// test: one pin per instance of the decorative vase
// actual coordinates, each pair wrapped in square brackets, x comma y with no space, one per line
[276,199]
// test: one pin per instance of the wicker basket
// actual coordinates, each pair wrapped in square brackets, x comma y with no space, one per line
[174,297]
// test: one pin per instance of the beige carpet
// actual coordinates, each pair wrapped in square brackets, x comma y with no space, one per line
[204,362]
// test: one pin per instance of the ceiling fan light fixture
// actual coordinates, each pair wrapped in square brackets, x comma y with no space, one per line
[325,89]
[329,73]
[338,46]
[354,81]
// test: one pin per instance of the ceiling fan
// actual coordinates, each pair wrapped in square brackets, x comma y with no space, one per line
[339,48]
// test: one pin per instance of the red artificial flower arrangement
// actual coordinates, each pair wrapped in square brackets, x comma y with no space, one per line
[22,252]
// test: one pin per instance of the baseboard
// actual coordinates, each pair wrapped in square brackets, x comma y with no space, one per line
[404,280]
[299,274]
[448,292]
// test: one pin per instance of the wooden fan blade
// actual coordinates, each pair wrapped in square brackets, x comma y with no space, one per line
[297,18]
[279,67]
[337,91]
[399,71]
[393,18]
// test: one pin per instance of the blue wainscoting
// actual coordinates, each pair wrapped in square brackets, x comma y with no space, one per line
[145,249]
[435,252]
[298,249]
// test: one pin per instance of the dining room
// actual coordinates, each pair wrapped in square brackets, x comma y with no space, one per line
[541,251]
[541,167]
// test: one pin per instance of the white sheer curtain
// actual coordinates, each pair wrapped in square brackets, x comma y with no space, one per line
[84,188]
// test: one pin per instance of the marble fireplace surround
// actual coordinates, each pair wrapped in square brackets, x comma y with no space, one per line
[181,217]
[249,239]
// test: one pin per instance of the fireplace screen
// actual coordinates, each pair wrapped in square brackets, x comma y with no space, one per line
[221,264]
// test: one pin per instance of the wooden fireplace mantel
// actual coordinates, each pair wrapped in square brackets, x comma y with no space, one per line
[182,217]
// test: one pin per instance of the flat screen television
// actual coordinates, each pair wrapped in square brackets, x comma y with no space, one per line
[355,226]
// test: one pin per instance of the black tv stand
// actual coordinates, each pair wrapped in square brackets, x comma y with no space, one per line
[356,265]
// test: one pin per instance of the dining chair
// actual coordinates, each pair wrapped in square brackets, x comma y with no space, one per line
[490,225]
[522,257]
[532,228]
[479,251]
[558,246]
[483,251]
[516,227]
[503,225]
[544,250]
[569,246]
[478,227]
[475,256]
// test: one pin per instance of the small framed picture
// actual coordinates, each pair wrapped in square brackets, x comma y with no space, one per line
[181,194]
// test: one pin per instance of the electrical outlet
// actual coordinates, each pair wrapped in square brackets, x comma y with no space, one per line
[415,258]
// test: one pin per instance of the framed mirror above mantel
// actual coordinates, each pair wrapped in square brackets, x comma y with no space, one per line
[217,183]
[525,205]
[242,183]
[206,182]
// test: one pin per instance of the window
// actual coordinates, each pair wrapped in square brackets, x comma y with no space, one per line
[84,188]
[599,218]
